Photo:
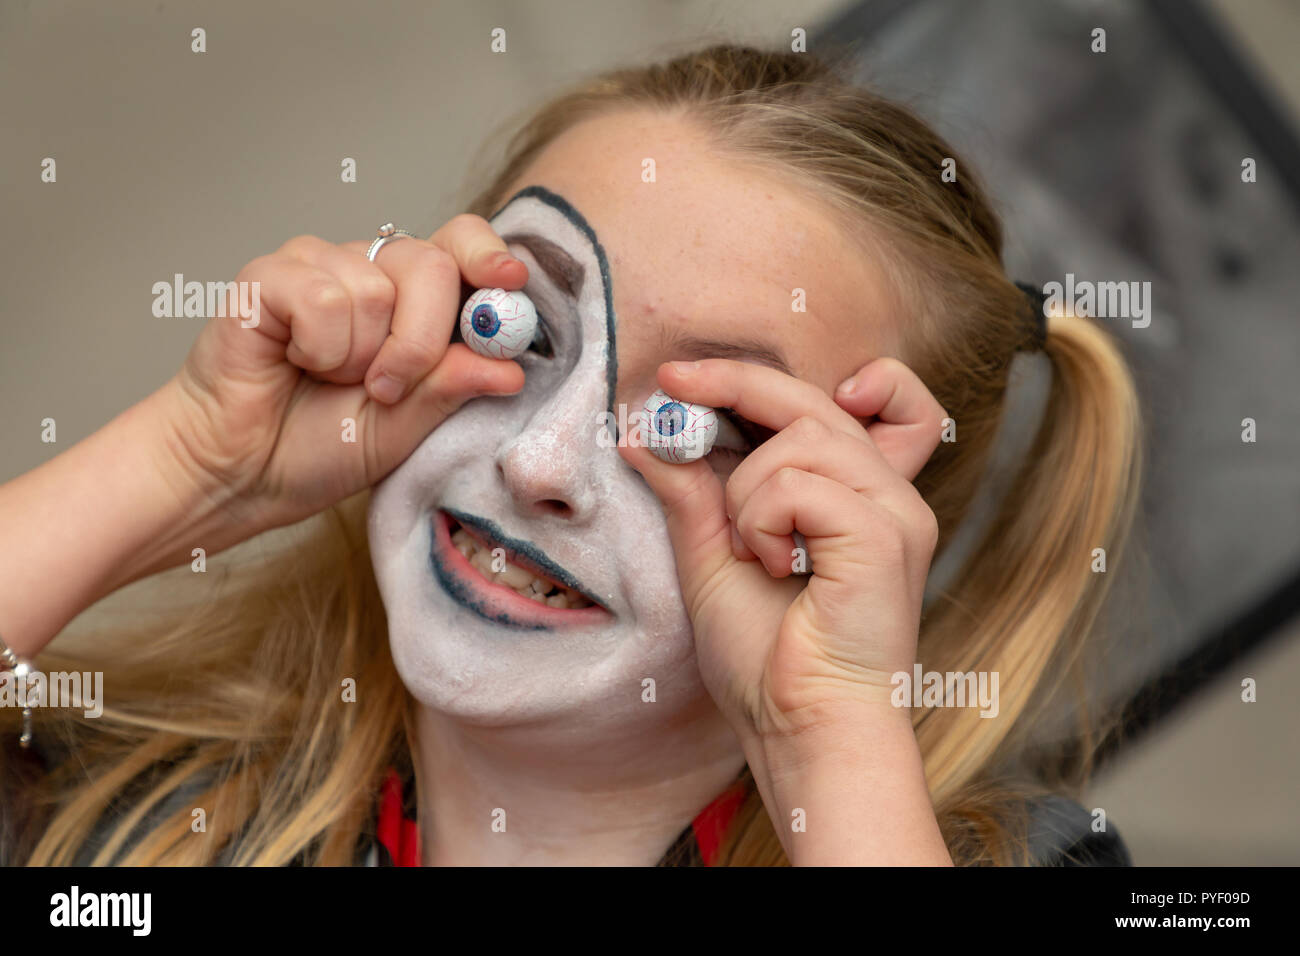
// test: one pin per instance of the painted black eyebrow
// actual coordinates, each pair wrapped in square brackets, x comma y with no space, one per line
[565,271]
[565,209]
[695,347]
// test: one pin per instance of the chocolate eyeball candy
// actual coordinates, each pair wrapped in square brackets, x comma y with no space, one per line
[498,324]
[677,432]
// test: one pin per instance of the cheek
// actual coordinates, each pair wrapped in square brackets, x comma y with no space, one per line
[648,568]
[474,433]
[458,452]
[658,642]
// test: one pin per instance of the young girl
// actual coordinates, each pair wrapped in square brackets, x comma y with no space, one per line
[652,667]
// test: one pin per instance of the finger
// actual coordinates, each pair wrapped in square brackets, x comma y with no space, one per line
[809,445]
[392,432]
[461,375]
[763,395]
[828,514]
[372,294]
[909,419]
[427,281]
[694,510]
[484,258]
[304,308]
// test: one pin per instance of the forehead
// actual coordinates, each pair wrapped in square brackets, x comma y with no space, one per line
[701,245]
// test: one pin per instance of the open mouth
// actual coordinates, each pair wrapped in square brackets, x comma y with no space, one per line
[517,585]
[531,584]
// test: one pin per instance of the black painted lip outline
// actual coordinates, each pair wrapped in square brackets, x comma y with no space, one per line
[522,553]
[459,592]
[461,588]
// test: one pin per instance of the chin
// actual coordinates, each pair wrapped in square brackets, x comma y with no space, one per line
[491,675]
[495,620]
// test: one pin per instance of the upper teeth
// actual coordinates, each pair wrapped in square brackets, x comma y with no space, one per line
[513,576]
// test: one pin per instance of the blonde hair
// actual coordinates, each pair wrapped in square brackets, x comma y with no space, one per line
[240,699]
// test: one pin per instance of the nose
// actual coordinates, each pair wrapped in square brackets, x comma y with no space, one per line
[549,467]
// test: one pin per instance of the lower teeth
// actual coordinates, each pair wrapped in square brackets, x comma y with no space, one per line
[540,591]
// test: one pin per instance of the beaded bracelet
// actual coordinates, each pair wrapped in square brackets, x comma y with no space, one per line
[22,671]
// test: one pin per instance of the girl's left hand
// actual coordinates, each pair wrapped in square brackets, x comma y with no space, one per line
[779,652]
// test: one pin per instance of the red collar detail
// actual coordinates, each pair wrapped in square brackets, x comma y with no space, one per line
[401,836]
[711,824]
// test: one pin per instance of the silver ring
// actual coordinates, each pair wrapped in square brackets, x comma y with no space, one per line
[387,233]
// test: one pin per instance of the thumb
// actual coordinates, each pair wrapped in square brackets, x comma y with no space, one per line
[695,510]
[460,376]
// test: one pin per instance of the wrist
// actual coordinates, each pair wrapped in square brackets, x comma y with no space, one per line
[94,518]
[188,507]
[849,791]
[859,731]
[170,420]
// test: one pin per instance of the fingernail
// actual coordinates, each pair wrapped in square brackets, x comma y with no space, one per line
[386,389]
[847,387]
[500,259]
[685,368]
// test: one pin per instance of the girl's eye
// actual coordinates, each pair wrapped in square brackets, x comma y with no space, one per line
[541,344]
[737,437]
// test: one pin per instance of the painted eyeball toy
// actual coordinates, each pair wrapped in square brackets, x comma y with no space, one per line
[677,432]
[498,324]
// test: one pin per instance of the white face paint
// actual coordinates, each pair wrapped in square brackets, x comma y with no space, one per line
[528,472]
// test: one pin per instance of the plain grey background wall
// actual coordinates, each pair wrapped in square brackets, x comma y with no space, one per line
[171,162]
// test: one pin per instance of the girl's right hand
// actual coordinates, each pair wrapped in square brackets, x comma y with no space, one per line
[258,415]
